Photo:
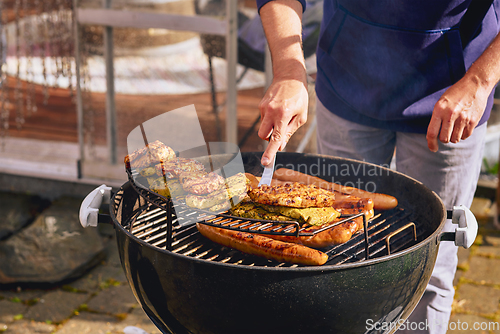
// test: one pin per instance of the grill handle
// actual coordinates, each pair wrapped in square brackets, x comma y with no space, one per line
[466,232]
[89,210]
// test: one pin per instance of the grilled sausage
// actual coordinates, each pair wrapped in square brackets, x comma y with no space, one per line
[345,204]
[263,246]
[253,181]
[351,205]
[380,201]
[333,236]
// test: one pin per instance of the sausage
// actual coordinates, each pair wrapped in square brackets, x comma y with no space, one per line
[332,236]
[351,205]
[345,204]
[263,246]
[253,181]
[380,201]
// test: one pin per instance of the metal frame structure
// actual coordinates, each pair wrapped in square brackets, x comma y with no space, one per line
[110,18]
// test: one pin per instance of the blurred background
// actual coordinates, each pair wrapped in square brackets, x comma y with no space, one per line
[78,87]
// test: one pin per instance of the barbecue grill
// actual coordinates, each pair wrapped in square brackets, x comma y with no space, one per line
[187,284]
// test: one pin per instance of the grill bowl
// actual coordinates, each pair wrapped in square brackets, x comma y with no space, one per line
[183,294]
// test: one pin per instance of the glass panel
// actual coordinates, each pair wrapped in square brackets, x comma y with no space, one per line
[156,70]
[169,156]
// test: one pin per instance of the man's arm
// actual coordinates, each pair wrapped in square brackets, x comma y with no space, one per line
[283,108]
[461,107]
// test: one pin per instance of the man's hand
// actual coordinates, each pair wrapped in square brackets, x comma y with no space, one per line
[284,106]
[283,110]
[461,107]
[457,112]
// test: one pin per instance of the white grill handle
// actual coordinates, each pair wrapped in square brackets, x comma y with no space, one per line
[466,232]
[89,210]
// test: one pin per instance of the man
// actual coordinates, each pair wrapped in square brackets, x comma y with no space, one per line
[411,77]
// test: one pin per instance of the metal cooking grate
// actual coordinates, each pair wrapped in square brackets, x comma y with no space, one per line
[155,222]
[224,220]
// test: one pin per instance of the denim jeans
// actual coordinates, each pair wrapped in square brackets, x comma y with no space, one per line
[452,173]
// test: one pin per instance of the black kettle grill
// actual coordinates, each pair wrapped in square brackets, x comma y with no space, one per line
[187,284]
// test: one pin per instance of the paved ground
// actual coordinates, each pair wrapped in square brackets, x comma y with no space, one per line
[100,302]
[476,307]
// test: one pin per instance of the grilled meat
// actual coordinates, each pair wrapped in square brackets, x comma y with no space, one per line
[149,155]
[166,188]
[251,210]
[351,205]
[295,195]
[311,216]
[233,191]
[208,201]
[340,233]
[380,201]
[236,185]
[174,167]
[312,207]
[200,182]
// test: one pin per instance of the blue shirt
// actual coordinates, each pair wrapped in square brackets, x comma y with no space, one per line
[385,63]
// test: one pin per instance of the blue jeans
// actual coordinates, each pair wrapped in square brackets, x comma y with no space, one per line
[452,173]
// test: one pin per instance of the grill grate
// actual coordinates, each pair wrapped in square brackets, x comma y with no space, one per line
[262,226]
[156,222]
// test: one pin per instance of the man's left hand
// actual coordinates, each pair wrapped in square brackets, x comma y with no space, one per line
[457,112]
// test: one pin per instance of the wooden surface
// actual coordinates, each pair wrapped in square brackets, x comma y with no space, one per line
[57,120]
[46,145]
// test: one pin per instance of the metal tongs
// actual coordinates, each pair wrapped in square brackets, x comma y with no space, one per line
[267,175]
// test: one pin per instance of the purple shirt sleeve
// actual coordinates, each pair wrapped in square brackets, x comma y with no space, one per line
[261,3]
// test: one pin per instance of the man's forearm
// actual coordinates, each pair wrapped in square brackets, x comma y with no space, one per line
[283,108]
[460,108]
[486,69]
[282,22]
